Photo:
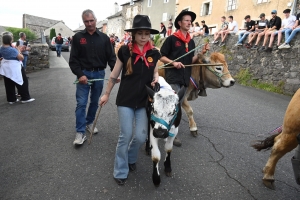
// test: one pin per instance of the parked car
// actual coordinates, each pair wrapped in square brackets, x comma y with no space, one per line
[65,45]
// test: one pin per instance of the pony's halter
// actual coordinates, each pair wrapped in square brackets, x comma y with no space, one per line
[163,122]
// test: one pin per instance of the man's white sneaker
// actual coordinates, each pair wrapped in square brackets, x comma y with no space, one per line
[14,102]
[79,139]
[28,101]
[284,46]
[89,127]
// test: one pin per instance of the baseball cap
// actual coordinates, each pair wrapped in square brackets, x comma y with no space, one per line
[287,11]
[262,15]
[274,11]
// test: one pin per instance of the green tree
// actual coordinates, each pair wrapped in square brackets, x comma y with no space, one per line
[52,33]
[15,31]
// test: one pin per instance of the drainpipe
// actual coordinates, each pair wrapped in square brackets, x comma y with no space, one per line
[294,7]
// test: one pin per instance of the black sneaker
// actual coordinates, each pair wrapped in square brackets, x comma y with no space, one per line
[262,48]
[254,47]
[269,49]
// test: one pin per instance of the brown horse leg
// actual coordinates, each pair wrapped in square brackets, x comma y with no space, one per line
[284,143]
[189,112]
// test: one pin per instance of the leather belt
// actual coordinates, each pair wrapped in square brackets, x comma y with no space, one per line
[93,69]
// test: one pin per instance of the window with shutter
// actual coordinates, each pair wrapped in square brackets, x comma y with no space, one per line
[231,5]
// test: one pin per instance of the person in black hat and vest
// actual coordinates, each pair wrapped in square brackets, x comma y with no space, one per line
[136,63]
[175,46]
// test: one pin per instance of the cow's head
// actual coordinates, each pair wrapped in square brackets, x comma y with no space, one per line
[165,106]
[216,76]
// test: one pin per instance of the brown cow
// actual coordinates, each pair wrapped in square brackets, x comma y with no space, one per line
[283,142]
[212,77]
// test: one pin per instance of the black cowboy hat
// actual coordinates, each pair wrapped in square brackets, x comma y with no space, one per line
[142,22]
[184,12]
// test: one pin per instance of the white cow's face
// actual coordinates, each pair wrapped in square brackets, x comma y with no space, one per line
[164,105]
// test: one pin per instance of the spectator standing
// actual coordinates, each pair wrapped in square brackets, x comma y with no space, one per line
[12,70]
[224,27]
[163,29]
[58,44]
[250,27]
[288,24]
[170,27]
[232,29]
[137,63]
[191,30]
[261,29]
[91,52]
[289,36]
[175,46]
[273,26]
[25,49]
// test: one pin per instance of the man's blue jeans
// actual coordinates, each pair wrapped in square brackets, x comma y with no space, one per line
[131,121]
[25,61]
[82,94]
[289,36]
[58,49]
[242,36]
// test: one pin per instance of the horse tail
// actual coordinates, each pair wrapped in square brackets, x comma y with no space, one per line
[265,144]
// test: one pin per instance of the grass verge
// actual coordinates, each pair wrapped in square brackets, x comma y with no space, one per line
[244,77]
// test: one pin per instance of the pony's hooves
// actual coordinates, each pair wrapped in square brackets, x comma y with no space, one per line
[269,183]
[194,133]
[156,180]
[168,174]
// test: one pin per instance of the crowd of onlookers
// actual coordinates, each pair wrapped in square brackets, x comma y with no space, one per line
[263,30]
[250,36]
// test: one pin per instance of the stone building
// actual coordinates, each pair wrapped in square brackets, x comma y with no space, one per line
[60,27]
[37,24]
[115,24]
[212,10]
[129,11]
[159,11]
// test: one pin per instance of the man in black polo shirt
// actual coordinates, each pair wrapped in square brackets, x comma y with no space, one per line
[175,46]
[91,52]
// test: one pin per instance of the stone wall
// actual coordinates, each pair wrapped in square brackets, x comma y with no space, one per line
[275,67]
[38,57]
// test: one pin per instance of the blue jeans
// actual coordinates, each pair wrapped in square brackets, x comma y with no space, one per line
[242,36]
[289,36]
[25,61]
[58,49]
[131,120]
[82,94]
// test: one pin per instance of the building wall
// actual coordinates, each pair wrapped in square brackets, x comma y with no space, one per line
[129,12]
[159,12]
[114,26]
[60,28]
[243,7]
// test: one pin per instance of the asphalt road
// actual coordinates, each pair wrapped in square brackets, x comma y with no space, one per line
[38,160]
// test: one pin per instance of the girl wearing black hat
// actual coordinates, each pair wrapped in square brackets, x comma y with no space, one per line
[137,63]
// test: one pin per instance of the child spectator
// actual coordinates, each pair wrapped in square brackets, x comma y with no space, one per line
[273,26]
[287,24]
[289,36]
[224,27]
[232,29]
[262,26]
[250,27]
